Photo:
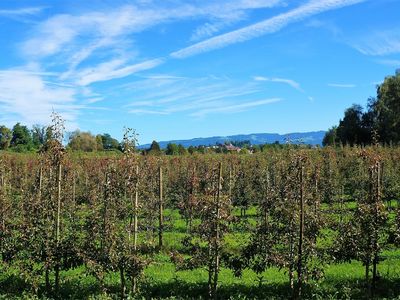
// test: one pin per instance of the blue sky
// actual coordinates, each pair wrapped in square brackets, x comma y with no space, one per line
[175,69]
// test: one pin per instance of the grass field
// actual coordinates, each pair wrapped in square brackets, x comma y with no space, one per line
[162,280]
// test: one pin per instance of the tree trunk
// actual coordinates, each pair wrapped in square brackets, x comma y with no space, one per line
[210,271]
[341,198]
[160,210]
[367,277]
[47,280]
[301,236]
[40,183]
[217,232]
[135,225]
[104,225]
[291,258]
[123,284]
[57,266]
[135,209]
[74,189]
[376,234]
[230,184]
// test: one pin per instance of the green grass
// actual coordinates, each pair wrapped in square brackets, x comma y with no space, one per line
[161,280]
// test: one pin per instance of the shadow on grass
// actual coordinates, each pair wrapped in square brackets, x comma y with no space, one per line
[183,290]
[13,287]
[84,287]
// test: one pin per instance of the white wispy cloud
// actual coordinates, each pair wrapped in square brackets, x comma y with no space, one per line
[185,92]
[20,12]
[27,96]
[290,82]
[324,24]
[103,28]
[379,43]
[72,39]
[234,108]
[227,14]
[16,72]
[113,69]
[147,112]
[192,96]
[390,62]
[342,85]
[208,29]
[268,26]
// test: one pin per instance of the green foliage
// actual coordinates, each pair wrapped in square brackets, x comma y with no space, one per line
[387,109]
[39,135]
[172,149]
[21,138]
[330,138]
[381,119]
[83,141]
[5,137]
[108,143]
[154,149]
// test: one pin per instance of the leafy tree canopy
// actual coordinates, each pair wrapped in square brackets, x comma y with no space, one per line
[381,118]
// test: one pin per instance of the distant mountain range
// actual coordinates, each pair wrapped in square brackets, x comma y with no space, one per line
[311,138]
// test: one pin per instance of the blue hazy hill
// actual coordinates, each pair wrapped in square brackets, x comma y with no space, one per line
[310,138]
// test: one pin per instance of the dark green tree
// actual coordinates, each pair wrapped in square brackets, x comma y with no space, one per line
[21,137]
[82,141]
[5,137]
[386,109]
[191,149]
[330,138]
[350,127]
[154,149]
[382,117]
[39,135]
[172,149]
[109,142]
[182,150]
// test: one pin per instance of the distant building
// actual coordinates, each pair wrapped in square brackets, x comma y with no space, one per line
[232,148]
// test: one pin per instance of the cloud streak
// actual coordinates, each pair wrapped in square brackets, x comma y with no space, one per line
[164,95]
[113,69]
[289,82]
[379,43]
[235,108]
[342,85]
[27,96]
[268,26]
[390,62]
[20,12]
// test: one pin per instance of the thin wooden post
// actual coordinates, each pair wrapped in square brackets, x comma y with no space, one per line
[57,266]
[301,235]
[135,209]
[160,211]
[217,232]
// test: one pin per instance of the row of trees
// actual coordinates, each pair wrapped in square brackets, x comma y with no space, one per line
[178,149]
[22,139]
[380,120]
[87,142]
[107,214]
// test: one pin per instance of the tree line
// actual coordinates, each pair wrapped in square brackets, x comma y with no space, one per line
[22,139]
[379,122]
